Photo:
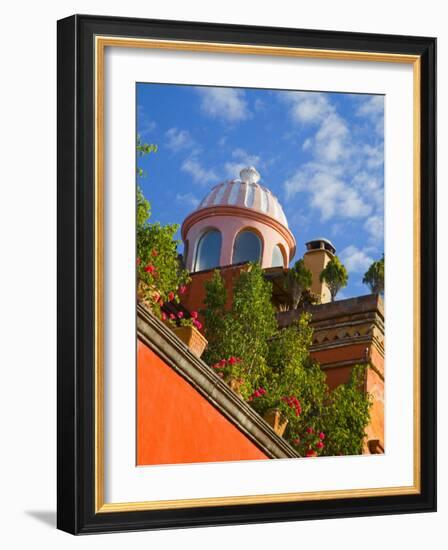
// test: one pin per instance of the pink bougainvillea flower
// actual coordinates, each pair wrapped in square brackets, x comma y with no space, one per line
[150,269]
[223,362]
[171,296]
[172,316]
[321,435]
[320,445]
[194,314]
[163,316]
[198,325]
[182,289]
[154,253]
[309,430]
[180,314]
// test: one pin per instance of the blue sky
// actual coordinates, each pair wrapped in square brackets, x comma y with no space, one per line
[321,153]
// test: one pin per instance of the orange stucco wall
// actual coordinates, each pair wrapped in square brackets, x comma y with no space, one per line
[175,424]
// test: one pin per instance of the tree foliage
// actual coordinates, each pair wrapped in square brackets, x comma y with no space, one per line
[242,332]
[298,279]
[277,371]
[335,276]
[159,272]
[374,277]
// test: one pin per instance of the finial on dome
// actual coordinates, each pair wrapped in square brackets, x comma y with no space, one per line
[250,175]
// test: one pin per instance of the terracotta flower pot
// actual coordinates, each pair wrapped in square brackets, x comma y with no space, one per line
[275,419]
[235,384]
[192,338]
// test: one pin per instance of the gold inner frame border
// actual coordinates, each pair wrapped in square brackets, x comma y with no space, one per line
[101,42]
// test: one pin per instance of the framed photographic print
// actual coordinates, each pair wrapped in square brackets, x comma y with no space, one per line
[246,274]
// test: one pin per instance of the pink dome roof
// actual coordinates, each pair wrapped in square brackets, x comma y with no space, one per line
[245,192]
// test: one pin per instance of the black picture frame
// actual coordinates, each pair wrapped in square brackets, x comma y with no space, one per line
[76,289]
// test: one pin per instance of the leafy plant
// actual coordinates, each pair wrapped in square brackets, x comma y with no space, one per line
[374,277]
[273,368]
[335,276]
[298,279]
[160,275]
[243,331]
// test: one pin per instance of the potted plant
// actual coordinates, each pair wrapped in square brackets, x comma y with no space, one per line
[277,410]
[231,370]
[187,330]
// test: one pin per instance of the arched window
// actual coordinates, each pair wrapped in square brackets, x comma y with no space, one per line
[208,251]
[247,248]
[277,257]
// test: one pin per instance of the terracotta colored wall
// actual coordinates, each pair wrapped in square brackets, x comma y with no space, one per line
[193,299]
[339,375]
[175,424]
[375,386]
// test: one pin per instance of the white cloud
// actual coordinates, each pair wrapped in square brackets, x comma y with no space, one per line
[145,125]
[187,199]
[198,173]
[375,228]
[176,139]
[241,159]
[374,155]
[372,108]
[225,103]
[328,192]
[355,259]
[332,139]
[344,179]
[307,107]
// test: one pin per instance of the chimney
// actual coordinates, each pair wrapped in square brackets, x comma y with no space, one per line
[318,253]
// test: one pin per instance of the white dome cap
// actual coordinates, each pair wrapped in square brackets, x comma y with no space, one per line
[245,192]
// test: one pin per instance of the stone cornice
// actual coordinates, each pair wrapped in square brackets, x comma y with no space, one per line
[163,341]
[212,211]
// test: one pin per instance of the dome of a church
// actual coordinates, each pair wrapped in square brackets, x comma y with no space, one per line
[245,192]
[238,221]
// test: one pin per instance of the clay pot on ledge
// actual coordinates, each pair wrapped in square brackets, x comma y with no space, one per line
[192,338]
[235,385]
[276,420]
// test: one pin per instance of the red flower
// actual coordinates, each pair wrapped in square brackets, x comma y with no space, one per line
[160,302]
[172,316]
[223,362]
[180,314]
[194,314]
[311,453]
[150,269]
[163,316]
[309,430]
[182,289]
[296,441]
[320,445]
[171,296]
[232,360]
[321,435]
[198,325]
[154,253]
